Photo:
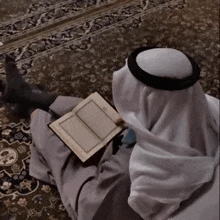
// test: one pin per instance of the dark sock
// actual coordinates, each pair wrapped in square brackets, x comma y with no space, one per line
[38,99]
[18,91]
[15,85]
[2,85]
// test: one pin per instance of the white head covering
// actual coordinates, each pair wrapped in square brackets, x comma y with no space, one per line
[158,95]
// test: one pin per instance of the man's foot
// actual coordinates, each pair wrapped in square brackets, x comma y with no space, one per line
[16,88]
[18,91]
[2,83]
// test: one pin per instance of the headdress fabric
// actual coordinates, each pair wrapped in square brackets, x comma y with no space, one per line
[175,70]
[176,134]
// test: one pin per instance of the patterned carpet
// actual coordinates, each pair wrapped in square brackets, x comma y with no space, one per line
[72,48]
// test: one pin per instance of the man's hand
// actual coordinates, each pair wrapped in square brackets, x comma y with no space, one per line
[121,123]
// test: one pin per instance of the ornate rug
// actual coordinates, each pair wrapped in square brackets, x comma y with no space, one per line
[72,48]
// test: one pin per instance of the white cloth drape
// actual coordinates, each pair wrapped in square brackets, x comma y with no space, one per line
[177,139]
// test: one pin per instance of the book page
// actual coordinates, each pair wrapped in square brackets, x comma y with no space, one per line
[96,119]
[78,130]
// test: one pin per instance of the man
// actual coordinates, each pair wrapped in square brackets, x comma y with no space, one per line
[167,154]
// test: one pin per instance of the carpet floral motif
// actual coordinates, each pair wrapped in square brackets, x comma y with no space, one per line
[22,196]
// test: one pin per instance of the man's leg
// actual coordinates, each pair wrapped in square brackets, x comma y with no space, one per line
[16,90]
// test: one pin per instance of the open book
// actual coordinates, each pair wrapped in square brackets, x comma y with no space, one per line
[88,127]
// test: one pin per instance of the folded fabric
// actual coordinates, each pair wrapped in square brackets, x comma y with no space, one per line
[176,130]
